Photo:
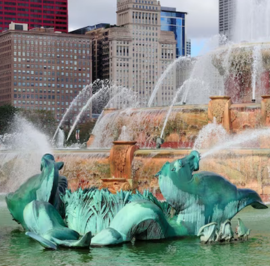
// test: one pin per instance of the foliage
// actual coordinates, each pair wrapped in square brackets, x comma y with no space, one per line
[85,131]
[6,115]
[41,119]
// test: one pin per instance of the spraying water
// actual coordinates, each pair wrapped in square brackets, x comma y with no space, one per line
[257,62]
[252,20]
[60,139]
[163,76]
[170,108]
[102,90]
[247,136]
[25,147]
[210,135]
[73,103]
[124,136]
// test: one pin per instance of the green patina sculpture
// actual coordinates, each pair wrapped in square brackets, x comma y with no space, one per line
[37,206]
[195,204]
[242,231]
[210,233]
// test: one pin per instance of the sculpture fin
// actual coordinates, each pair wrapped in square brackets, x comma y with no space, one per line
[108,236]
[60,165]
[42,241]
[85,241]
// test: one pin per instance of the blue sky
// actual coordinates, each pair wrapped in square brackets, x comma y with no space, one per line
[197,46]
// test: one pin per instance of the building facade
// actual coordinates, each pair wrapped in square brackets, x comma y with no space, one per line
[175,21]
[136,52]
[42,69]
[35,13]
[226,17]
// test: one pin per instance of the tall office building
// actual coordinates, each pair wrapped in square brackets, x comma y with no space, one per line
[136,52]
[35,13]
[226,17]
[43,70]
[100,49]
[175,21]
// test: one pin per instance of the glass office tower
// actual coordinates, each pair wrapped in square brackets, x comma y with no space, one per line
[172,20]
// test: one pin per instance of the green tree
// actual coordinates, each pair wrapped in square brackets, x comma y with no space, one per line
[85,131]
[41,119]
[7,113]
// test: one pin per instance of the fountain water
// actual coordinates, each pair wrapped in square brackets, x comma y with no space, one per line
[256,68]
[211,135]
[124,100]
[236,141]
[60,141]
[170,108]
[101,91]
[252,21]
[124,136]
[164,75]
[86,90]
[22,150]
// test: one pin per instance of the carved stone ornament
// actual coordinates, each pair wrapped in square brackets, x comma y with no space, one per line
[115,184]
[267,109]
[218,110]
[120,157]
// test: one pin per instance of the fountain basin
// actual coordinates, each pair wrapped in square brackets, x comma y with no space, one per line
[246,168]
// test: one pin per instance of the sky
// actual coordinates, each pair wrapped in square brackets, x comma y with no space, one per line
[201,25]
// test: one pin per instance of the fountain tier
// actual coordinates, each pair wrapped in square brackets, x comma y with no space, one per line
[184,123]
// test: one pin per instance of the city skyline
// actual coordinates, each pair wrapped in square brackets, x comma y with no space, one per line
[202,18]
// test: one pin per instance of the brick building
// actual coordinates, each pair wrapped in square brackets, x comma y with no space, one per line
[43,69]
[35,13]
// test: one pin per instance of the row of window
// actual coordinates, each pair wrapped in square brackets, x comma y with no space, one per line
[49,43]
[49,85]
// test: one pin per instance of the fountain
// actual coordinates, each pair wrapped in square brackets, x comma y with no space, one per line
[60,140]
[137,148]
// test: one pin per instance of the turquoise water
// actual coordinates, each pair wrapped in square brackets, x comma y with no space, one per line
[17,249]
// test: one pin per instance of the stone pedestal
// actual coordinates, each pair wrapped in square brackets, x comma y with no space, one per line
[265,110]
[121,157]
[219,108]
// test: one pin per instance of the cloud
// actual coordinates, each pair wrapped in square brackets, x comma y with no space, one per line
[89,12]
[202,18]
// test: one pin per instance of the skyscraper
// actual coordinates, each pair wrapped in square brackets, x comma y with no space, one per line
[41,69]
[226,17]
[35,13]
[175,21]
[136,52]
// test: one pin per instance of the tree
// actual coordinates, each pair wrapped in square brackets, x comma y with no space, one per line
[7,113]
[41,119]
[85,131]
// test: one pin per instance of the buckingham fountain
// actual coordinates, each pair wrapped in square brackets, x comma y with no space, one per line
[159,180]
